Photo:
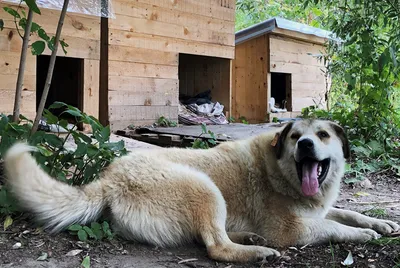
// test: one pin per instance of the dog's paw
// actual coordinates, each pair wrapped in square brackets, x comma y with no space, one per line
[364,234]
[254,239]
[265,253]
[385,227]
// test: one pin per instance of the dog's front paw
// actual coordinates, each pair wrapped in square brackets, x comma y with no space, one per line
[363,235]
[385,227]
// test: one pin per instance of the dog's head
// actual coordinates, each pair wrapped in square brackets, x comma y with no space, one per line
[312,153]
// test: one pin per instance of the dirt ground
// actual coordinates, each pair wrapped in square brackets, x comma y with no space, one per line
[380,191]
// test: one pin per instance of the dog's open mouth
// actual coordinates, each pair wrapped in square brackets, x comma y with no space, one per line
[312,173]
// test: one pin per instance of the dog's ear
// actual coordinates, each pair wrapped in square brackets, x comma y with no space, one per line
[343,137]
[281,137]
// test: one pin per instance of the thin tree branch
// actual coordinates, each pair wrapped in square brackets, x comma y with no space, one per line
[21,71]
[51,68]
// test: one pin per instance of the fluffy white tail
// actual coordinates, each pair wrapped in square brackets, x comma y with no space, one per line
[54,203]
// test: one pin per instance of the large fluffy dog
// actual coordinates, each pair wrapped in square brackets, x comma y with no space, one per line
[276,189]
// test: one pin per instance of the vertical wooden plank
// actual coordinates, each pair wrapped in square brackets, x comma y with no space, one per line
[91,87]
[103,72]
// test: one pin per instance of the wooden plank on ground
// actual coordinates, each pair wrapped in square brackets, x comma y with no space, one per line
[134,112]
[222,132]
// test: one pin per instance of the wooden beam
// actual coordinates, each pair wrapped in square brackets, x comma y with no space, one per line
[103,90]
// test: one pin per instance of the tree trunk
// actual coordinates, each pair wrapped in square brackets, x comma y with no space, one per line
[21,70]
[51,68]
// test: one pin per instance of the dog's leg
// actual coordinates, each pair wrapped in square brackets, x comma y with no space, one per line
[219,245]
[356,219]
[316,231]
[247,238]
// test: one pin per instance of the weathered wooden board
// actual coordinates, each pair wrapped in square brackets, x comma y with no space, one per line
[142,55]
[170,15]
[162,43]
[134,69]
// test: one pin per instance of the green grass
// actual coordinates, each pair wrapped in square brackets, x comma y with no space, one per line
[376,212]
[384,241]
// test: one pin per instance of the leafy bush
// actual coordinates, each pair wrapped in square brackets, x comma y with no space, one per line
[96,231]
[73,166]
[199,143]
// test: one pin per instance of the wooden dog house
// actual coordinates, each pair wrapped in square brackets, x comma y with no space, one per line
[129,69]
[277,58]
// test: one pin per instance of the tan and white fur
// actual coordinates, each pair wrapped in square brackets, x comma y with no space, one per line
[236,199]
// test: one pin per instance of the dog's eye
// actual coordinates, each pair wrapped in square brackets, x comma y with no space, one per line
[295,136]
[323,134]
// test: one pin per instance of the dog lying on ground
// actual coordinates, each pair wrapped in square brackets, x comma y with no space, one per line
[276,189]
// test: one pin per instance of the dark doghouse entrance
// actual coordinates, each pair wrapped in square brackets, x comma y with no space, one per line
[207,76]
[66,85]
[281,90]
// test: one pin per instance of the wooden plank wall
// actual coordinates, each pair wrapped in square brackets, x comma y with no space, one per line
[80,32]
[145,40]
[249,89]
[308,81]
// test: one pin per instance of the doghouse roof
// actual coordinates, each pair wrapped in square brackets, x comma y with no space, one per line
[274,24]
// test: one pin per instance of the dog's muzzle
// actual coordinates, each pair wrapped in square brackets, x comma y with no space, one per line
[311,171]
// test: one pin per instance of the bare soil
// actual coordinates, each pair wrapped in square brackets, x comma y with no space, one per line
[381,192]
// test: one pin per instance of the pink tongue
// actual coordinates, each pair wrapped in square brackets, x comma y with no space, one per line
[310,183]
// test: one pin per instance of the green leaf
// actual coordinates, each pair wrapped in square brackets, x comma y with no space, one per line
[50,43]
[23,13]
[89,172]
[382,61]
[81,150]
[57,105]
[42,34]
[32,6]
[53,140]
[22,23]
[89,232]
[7,222]
[204,128]
[75,227]
[38,47]
[1,25]
[42,257]
[50,117]
[44,151]
[12,12]
[63,46]
[105,226]
[86,262]
[82,235]
[35,27]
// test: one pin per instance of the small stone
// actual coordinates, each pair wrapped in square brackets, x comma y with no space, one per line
[17,245]
[169,253]
[286,258]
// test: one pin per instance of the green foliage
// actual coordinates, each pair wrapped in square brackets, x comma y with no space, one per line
[376,212]
[365,87]
[165,122]
[96,231]
[76,167]
[200,143]
[249,12]
[86,262]
[20,20]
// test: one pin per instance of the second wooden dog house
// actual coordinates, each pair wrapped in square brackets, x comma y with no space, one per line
[277,59]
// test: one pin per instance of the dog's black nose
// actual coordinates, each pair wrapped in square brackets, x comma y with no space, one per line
[306,144]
